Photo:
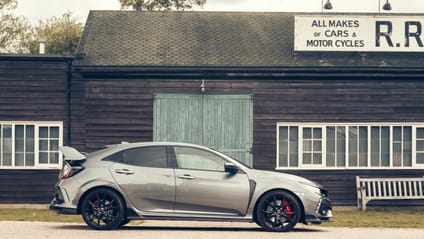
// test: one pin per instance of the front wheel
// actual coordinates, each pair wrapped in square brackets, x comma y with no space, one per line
[103,209]
[278,211]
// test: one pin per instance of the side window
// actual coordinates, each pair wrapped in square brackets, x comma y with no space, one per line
[191,158]
[143,157]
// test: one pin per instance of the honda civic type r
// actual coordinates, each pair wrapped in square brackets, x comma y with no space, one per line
[178,181]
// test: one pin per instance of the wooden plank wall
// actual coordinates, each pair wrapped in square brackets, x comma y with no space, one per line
[122,110]
[31,89]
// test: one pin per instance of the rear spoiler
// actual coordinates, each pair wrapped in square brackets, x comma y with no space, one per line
[71,154]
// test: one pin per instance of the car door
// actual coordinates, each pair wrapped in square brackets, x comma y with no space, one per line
[204,188]
[145,178]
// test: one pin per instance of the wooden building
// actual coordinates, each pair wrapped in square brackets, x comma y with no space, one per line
[235,82]
[34,106]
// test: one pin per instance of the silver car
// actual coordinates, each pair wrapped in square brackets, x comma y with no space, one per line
[181,181]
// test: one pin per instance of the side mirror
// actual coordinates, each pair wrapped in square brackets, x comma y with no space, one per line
[231,168]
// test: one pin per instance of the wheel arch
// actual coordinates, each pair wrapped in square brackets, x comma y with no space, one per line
[302,207]
[81,199]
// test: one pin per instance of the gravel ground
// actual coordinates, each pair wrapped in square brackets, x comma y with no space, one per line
[191,230]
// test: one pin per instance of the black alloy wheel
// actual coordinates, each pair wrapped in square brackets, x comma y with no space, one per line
[103,209]
[278,211]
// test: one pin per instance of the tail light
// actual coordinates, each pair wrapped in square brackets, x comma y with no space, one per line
[69,170]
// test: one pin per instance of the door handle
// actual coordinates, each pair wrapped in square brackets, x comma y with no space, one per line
[124,171]
[187,176]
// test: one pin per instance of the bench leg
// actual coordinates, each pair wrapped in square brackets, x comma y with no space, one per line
[362,199]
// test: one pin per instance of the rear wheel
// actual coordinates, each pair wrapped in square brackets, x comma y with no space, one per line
[278,211]
[103,209]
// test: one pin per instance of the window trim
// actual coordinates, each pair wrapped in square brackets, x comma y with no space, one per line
[37,125]
[324,125]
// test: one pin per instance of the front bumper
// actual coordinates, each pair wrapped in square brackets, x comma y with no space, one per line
[323,212]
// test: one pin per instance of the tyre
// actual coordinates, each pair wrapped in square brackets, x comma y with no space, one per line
[103,209]
[278,211]
[124,222]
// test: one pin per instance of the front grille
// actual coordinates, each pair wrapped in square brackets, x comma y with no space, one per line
[324,206]
[324,192]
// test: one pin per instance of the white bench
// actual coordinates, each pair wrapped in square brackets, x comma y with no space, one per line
[388,189]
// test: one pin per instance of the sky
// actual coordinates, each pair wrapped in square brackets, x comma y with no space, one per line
[36,10]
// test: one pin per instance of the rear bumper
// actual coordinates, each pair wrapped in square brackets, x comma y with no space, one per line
[59,203]
[63,210]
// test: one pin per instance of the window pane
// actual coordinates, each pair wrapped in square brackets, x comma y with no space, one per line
[341,146]
[385,146]
[43,145]
[307,158]
[283,146]
[317,133]
[353,146]
[43,132]
[397,146]
[420,145]
[43,158]
[375,146]
[29,140]
[19,138]
[317,159]
[307,146]
[19,159]
[307,133]
[363,146]
[54,145]
[191,158]
[420,133]
[7,145]
[146,157]
[294,146]
[54,158]
[29,159]
[407,146]
[331,146]
[317,147]
[54,132]
[420,158]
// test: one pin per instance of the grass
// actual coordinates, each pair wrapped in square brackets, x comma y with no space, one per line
[40,215]
[378,218]
[372,218]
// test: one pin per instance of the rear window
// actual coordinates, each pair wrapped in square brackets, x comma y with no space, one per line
[142,157]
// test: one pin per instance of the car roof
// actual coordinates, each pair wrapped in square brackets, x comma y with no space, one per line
[126,145]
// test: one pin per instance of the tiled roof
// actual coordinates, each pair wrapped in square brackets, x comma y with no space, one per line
[236,39]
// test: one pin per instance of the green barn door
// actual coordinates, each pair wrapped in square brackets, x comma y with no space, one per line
[176,118]
[223,122]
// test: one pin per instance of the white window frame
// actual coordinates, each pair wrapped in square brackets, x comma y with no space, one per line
[37,125]
[324,126]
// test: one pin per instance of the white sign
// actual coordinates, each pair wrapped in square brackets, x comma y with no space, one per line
[359,33]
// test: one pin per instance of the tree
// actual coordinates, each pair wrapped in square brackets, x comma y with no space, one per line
[61,35]
[14,31]
[151,5]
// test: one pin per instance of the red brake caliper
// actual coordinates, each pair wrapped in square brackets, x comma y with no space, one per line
[96,202]
[288,208]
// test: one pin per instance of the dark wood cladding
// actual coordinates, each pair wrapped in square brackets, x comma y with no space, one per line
[27,186]
[32,89]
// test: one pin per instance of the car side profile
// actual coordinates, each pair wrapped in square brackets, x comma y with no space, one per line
[179,181]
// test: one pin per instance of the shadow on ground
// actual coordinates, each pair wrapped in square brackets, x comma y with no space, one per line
[181,228]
